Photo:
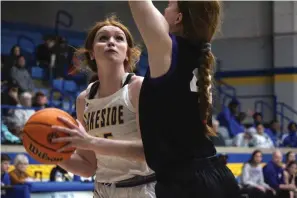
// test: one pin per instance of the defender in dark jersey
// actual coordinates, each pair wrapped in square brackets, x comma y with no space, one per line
[175,107]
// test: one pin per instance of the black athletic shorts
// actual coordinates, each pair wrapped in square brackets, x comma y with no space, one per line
[203,178]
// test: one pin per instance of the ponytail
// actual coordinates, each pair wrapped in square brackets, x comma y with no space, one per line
[200,21]
[205,74]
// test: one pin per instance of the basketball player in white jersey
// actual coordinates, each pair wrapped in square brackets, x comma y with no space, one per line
[107,139]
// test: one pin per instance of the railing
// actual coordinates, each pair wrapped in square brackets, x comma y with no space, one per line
[284,107]
[259,105]
[225,92]
[277,112]
[59,22]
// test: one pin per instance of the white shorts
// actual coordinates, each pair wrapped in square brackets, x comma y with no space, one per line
[142,191]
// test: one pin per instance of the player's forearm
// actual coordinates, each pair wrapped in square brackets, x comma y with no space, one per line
[145,15]
[78,166]
[122,148]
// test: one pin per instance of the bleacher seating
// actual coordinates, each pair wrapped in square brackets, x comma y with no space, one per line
[70,86]
[37,73]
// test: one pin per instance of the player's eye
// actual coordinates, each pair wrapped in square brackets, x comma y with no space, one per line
[103,38]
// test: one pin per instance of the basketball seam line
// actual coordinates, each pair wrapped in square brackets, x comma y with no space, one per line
[51,149]
[41,123]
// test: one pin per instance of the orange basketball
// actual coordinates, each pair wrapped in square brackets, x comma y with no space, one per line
[38,134]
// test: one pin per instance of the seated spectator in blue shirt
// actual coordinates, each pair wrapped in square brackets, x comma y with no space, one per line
[228,118]
[5,163]
[274,132]
[274,175]
[291,139]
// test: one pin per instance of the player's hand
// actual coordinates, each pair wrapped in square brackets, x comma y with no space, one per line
[78,137]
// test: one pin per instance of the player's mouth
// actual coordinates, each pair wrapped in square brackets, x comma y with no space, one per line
[111,51]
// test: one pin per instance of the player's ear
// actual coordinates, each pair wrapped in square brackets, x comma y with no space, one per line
[179,18]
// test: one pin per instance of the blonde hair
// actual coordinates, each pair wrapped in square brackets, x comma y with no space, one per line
[25,95]
[21,158]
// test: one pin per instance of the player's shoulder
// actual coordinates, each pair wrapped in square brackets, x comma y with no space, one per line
[81,97]
[135,84]
[136,81]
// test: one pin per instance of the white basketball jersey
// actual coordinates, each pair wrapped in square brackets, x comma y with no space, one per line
[114,117]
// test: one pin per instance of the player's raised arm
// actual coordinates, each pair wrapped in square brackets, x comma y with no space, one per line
[154,30]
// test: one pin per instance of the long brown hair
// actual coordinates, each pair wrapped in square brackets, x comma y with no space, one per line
[133,51]
[200,22]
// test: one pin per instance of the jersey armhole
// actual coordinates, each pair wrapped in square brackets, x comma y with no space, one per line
[173,63]
[129,103]
[127,94]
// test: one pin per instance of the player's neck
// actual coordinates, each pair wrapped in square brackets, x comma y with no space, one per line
[110,81]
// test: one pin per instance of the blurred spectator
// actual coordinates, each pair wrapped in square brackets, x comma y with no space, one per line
[7,137]
[252,177]
[58,174]
[290,157]
[228,118]
[261,139]
[291,139]
[23,115]
[217,140]
[21,76]
[40,100]
[274,132]
[46,56]
[243,139]
[241,117]
[290,176]
[19,175]
[9,97]
[62,51]
[5,163]
[274,176]
[9,62]
[15,52]
[14,126]
[257,118]
[3,72]
[44,52]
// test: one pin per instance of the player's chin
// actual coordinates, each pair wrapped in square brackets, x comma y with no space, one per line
[115,59]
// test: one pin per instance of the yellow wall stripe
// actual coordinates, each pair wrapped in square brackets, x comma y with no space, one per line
[46,169]
[261,80]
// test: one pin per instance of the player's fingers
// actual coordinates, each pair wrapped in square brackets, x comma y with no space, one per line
[64,130]
[62,139]
[79,124]
[67,122]
[65,147]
